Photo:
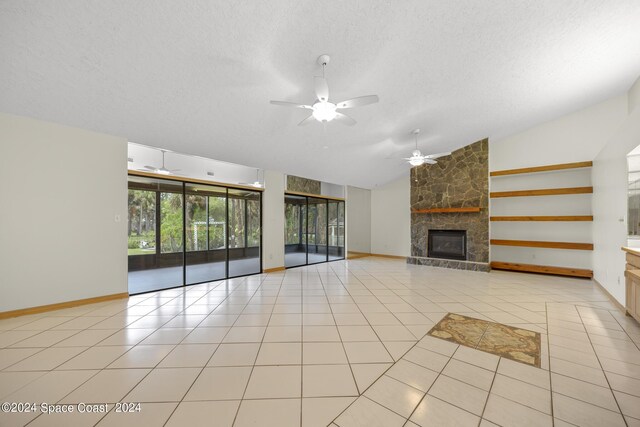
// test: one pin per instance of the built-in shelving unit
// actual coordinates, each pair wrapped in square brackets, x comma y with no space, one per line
[539,244]
[545,269]
[542,192]
[543,218]
[547,168]
[507,215]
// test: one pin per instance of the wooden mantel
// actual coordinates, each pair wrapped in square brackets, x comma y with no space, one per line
[446,210]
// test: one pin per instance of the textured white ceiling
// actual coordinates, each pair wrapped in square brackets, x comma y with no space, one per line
[196,76]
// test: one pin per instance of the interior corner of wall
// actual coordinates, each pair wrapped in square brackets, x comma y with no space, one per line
[633,96]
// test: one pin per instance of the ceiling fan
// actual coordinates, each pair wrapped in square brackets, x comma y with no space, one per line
[417,158]
[324,111]
[162,170]
[256,183]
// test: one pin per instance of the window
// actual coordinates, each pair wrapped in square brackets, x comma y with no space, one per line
[170,222]
[142,222]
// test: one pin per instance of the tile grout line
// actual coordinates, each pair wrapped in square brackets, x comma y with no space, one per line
[486,402]
[88,379]
[235,418]
[100,370]
[604,372]
[546,315]
[212,354]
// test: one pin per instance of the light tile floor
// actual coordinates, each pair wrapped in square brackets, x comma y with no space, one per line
[340,343]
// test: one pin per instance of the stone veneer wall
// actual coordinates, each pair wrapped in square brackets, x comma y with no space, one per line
[458,180]
[303,185]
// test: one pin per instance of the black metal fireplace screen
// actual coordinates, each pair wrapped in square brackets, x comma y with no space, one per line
[447,244]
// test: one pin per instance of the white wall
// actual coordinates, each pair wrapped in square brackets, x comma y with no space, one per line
[610,183]
[634,96]
[358,219]
[273,220]
[391,218]
[572,138]
[63,222]
[331,190]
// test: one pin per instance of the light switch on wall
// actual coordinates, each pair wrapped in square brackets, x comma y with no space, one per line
[117,218]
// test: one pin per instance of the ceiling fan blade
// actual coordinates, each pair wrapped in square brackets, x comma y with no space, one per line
[435,156]
[292,104]
[151,168]
[322,88]
[345,119]
[430,161]
[307,120]
[174,170]
[358,102]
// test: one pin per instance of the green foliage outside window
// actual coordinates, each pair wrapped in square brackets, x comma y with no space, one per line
[170,222]
[205,222]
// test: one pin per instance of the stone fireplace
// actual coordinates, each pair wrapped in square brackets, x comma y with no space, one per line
[450,203]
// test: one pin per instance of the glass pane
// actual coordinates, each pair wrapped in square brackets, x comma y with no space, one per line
[142,222]
[335,251]
[155,234]
[196,222]
[341,227]
[236,222]
[205,219]
[217,222]
[295,223]
[317,231]
[171,222]
[244,232]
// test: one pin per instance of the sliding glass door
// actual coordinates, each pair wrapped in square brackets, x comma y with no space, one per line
[244,232]
[155,229]
[295,229]
[314,230]
[205,233]
[186,233]
[336,230]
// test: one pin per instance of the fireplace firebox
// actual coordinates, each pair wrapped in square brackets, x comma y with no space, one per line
[447,244]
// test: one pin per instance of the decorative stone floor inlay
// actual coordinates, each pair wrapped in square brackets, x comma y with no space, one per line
[513,343]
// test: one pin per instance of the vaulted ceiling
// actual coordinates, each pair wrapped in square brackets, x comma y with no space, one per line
[196,76]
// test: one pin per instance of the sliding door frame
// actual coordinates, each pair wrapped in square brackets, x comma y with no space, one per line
[184,182]
[327,199]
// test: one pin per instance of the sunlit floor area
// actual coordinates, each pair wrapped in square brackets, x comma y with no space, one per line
[163,278]
[341,344]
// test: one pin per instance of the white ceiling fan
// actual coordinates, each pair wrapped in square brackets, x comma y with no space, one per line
[417,158]
[324,111]
[162,170]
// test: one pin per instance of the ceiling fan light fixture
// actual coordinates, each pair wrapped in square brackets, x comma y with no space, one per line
[163,172]
[416,160]
[324,111]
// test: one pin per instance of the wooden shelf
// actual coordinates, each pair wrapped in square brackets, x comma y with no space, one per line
[540,244]
[543,218]
[541,192]
[544,269]
[446,210]
[547,168]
